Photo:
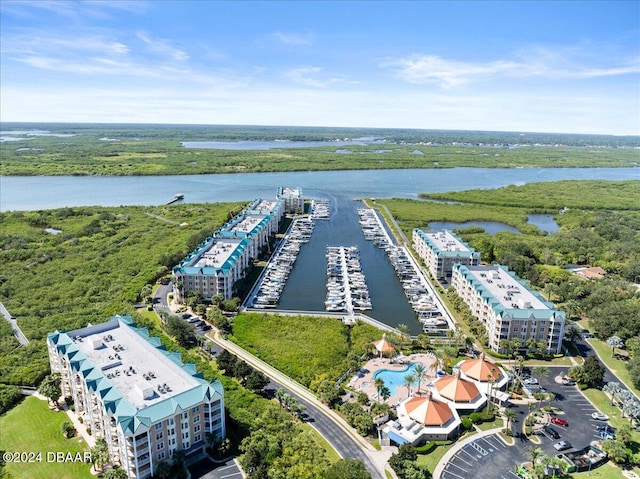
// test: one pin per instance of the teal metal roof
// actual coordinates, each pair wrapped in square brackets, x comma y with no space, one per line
[130,418]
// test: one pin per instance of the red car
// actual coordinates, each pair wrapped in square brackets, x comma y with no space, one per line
[559,421]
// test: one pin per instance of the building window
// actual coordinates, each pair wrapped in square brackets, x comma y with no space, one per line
[185,445]
[161,455]
[196,428]
[197,438]
[158,425]
[159,435]
[185,415]
[196,419]
[196,409]
[160,445]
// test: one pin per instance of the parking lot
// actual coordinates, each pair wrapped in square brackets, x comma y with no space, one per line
[490,457]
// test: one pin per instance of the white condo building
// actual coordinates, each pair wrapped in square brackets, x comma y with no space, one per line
[220,261]
[440,250]
[292,197]
[136,395]
[507,307]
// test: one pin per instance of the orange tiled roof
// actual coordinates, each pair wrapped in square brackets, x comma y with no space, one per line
[456,389]
[480,369]
[428,411]
[384,346]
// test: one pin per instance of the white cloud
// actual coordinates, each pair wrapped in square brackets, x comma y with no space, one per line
[313,77]
[535,63]
[163,47]
[293,39]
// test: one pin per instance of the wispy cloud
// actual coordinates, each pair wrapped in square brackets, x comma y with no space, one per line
[163,47]
[73,9]
[540,63]
[312,77]
[292,39]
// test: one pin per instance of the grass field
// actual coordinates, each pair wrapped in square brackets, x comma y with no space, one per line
[33,428]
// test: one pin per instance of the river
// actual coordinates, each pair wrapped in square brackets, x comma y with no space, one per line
[45,192]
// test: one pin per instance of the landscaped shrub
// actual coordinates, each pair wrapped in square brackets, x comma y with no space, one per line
[426,448]
[467,424]
[475,417]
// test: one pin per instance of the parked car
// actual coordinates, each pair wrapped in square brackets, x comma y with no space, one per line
[530,382]
[562,445]
[605,427]
[193,319]
[551,432]
[607,435]
[568,382]
[598,416]
[559,421]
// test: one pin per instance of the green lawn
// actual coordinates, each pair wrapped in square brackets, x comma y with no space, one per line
[606,471]
[432,460]
[33,427]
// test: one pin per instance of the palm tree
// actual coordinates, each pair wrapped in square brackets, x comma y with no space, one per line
[509,415]
[612,388]
[379,384]
[420,372]
[540,371]
[404,331]
[100,454]
[615,342]
[534,453]
[163,470]
[409,379]
[573,334]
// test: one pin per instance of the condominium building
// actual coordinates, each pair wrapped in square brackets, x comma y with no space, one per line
[221,260]
[136,395]
[293,199]
[508,308]
[440,250]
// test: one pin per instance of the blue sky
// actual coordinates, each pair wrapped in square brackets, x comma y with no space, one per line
[540,66]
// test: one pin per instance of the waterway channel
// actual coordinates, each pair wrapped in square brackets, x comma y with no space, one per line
[306,287]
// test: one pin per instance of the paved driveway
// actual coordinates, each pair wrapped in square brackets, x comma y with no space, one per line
[488,457]
[207,469]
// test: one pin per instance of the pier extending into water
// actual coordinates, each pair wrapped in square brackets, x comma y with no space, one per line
[176,197]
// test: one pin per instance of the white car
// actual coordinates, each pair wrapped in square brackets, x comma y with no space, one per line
[530,382]
[598,416]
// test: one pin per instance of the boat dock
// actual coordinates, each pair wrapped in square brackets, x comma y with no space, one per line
[346,286]
[372,228]
[176,197]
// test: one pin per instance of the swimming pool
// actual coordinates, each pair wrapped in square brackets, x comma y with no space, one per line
[393,377]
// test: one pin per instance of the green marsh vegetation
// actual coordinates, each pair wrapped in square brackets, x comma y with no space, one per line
[601,227]
[96,267]
[157,150]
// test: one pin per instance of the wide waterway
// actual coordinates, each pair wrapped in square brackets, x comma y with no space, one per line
[45,192]
[306,287]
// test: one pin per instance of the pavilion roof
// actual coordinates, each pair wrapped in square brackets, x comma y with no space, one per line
[456,389]
[480,369]
[428,411]
[384,345]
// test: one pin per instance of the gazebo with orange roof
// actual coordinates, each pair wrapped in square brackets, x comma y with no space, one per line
[384,346]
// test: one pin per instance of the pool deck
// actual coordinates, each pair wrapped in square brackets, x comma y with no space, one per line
[363,379]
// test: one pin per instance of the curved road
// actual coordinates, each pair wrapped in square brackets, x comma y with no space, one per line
[332,427]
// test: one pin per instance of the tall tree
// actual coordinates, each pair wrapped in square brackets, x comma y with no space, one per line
[50,387]
[420,372]
[615,342]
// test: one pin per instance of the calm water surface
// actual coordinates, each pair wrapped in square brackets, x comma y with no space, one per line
[43,192]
